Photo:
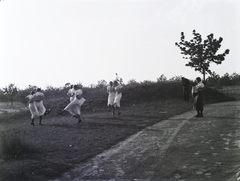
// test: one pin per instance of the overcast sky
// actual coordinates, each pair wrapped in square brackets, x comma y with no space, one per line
[53,42]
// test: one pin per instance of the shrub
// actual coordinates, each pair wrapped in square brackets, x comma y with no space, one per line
[152,91]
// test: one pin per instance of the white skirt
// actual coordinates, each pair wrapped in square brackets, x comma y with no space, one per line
[117,99]
[33,110]
[40,107]
[111,98]
[74,107]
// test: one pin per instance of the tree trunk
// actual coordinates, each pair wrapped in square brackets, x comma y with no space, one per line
[204,79]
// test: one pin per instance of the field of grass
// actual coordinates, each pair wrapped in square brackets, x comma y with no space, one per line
[45,152]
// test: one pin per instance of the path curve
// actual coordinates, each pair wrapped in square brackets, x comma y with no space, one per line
[180,148]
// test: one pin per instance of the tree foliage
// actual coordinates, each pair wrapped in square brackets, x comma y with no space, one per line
[176,78]
[201,53]
[10,90]
[102,84]
[225,80]
[132,82]
[2,96]
[162,78]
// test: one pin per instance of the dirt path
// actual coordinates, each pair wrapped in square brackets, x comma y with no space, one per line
[181,148]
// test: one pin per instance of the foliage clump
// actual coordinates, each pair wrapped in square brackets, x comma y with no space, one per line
[201,53]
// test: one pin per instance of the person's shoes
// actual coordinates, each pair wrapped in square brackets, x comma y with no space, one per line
[197,116]
[79,120]
[200,115]
[40,124]
[119,113]
[33,124]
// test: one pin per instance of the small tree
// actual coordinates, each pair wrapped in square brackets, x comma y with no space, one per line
[226,80]
[2,96]
[235,78]
[101,84]
[10,90]
[176,78]
[162,78]
[213,80]
[201,53]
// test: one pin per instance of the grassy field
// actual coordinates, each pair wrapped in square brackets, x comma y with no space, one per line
[45,152]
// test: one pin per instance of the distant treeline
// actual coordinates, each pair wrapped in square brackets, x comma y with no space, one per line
[161,88]
[225,80]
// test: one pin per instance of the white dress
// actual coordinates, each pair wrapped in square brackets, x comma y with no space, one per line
[37,98]
[74,107]
[32,108]
[118,95]
[111,95]
[194,95]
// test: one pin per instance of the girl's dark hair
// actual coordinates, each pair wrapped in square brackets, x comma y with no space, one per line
[198,79]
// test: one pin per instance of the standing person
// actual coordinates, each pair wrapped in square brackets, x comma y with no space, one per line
[74,107]
[36,105]
[118,97]
[199,100]
[32,107]
[111,96]
[38,100]
[70,93]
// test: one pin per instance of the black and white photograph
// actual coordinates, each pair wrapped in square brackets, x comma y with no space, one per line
[119,90]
